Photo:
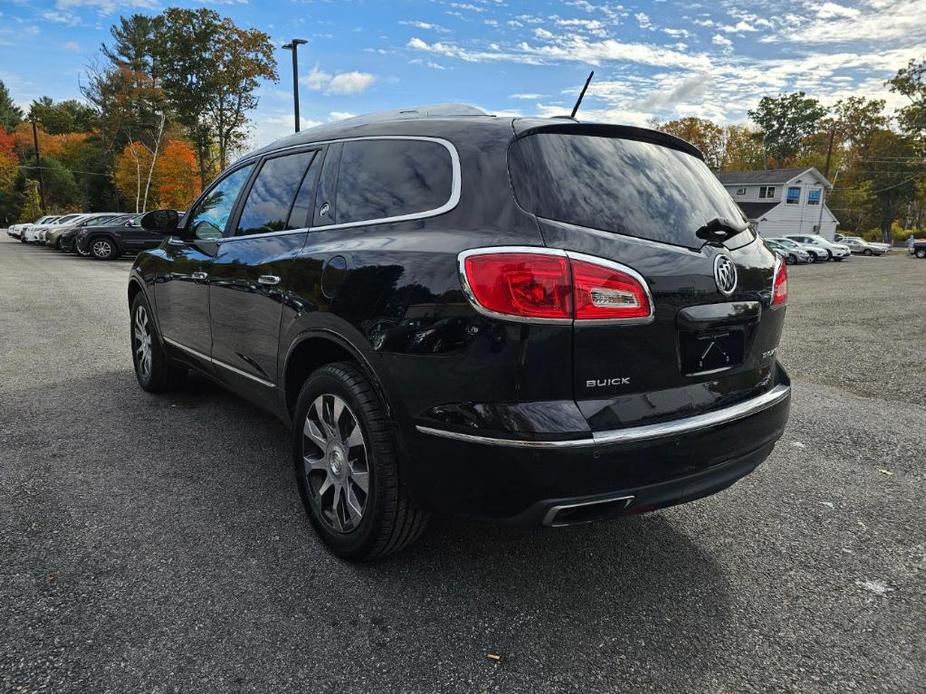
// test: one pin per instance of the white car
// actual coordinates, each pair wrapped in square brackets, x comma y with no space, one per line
[835,251]
[33,233]
[16,230]
[817,254]
[862,247]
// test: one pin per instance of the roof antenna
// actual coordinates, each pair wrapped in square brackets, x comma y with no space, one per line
[581,95]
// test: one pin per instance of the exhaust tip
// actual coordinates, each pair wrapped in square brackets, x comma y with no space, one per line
[564,515]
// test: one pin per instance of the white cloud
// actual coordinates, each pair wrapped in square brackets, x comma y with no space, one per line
[429,26]
[72,46]
[721,40]
[643,20]
[106,6]
[526,97]
[543,34]
[882,21]
[828,10]
[341,115]
[353,82]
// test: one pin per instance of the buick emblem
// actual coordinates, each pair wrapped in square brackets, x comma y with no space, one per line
[725,274]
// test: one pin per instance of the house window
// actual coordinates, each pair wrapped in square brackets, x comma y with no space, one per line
[813,196]
[794,195]
[766,191]
[741,191]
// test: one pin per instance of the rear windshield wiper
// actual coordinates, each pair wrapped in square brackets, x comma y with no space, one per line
[721,229]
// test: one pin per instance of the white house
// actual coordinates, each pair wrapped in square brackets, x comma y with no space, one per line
[783,201]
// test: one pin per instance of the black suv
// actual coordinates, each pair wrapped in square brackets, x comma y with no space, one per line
[531,320]
[111,240]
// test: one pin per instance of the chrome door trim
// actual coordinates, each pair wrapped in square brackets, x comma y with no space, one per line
[645,432]
[210,360]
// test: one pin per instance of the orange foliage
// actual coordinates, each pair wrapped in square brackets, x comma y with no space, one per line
[175,172]
[6,143]
[65,148]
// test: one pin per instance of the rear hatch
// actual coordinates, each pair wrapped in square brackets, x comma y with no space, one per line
[641,199]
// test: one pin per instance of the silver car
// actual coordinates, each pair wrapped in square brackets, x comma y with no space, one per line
[814,254]
[834,251]
[860,246]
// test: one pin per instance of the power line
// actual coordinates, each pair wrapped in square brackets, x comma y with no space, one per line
[52,168]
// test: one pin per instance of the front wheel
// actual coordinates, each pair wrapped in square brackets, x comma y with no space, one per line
[811,258]
[153,370]
[346,465]
[103,249]
[920,253]
[867,251]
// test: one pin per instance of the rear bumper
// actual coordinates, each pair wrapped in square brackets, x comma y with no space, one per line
[617,472]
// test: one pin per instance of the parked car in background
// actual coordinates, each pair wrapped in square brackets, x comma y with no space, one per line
[109,241]
[23,228]
[53,234]
[65,241]
[841,238]
[31,234]
[791,256]
[918,248]
[16,230]
[528,253]
[860,246]
[835,251]
[814,254]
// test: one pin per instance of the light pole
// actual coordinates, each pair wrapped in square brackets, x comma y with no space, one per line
[294,47]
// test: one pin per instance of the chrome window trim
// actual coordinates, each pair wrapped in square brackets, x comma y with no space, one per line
[456,185]
[210,360]
[573,255]
[645,432]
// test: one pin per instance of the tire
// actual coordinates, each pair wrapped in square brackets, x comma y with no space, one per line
[811,258]
[57,244]
[829,255]
[157,374]
[790,259]
[103,248]
[920,253]
[867,251]
[341,441]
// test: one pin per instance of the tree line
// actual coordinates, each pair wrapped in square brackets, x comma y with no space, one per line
[876,160]
[165,107]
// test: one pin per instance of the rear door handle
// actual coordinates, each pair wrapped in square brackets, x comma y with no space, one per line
[199,275]
[269,279]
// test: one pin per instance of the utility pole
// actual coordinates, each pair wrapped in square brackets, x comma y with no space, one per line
[829,152]
[38,163]
[294,47]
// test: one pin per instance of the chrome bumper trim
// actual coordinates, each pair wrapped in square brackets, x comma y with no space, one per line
[646,432]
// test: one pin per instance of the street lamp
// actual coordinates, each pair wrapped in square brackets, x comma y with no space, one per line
[294,47]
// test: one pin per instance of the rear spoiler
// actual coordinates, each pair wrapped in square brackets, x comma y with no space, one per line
[523,127]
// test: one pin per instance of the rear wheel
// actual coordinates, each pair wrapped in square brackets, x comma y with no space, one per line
[344,454]
[154,371]
[867,251]
[103,248]
[921,253]
[811,258]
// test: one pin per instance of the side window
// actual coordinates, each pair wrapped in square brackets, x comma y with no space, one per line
[299,216]
[270,199]
[813,197]
[327,183]
[210,217]
[379,179]
[794,195]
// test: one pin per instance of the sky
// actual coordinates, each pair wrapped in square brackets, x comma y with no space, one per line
[662,58]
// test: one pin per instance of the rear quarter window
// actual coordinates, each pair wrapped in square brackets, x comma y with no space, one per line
[380,179]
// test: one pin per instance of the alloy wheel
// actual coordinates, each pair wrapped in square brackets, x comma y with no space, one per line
[141,334]
[337,468]
[102,249]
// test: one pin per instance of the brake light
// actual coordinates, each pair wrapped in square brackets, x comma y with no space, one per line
[529,285]
[780,285]
[556,286]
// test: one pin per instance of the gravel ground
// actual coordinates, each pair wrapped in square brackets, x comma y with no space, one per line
[158,544]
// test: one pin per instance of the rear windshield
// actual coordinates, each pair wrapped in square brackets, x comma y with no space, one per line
[624,186]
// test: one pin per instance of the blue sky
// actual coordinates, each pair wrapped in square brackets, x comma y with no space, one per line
[665,58]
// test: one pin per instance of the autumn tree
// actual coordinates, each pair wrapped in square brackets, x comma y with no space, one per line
[176,177]
[131,175]
[10,199]
[211,69]
[742,149]
[703,134]
[786,121]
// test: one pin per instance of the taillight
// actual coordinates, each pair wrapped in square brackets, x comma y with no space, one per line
[529,285]
[780,285]
[606,293]
[553,286]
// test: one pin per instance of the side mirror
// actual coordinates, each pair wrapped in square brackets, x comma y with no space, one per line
[162,221]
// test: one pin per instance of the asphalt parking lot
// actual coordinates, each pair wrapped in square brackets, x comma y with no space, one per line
[158,544]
